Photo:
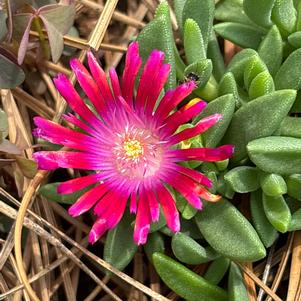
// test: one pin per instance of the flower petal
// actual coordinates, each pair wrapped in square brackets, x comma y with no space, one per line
[143,219]
[100,77]
[66,89]
[203,154]
[88,85]
[172,98]
[132,66]
[187,187]
[114,82]
[159,83]
[98,229]
[79,183]
[202,126]
[147,79]
[88,200]
[180,117]
[49,160]
[168,205]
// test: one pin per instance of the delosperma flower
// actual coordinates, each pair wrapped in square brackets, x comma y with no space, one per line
[130,144]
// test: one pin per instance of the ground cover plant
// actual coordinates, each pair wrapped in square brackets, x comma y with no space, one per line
[170,170]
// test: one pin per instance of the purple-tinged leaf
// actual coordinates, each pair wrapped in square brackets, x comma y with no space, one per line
[7,147]
[56,41]
[60,16]
[11,75]
[24,41]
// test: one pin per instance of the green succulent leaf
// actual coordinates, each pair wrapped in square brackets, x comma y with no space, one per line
[281,155]
[277,212]
[295,223]
[293,183]
[217,270]
[243,179]
[201,11]
[259,11]
[49,191]
[119,248]
[284,15]
[236,287]
[155,243]
[261,85]
[265,230]
[178,8]
[254,66]
[193,42]
[273,184]
[239,62]
[259,118]
[187,250]
[228,85]
[186,283]
[238,240]
[225,106]
[231,11]
[214,53]
[295,39]
[158,35]
[270,50]
[243,35]
[289,74]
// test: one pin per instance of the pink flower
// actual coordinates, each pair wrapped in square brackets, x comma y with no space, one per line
[130,144]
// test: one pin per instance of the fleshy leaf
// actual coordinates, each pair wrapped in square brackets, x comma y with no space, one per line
[238,240]
[281,155]
[155,243]
[201,11]
[231,11]
[293,183]
[187,250]
[270,50]
[119,248]
[186,283]
[238,64]
[214,53]
[217,270]
[236,287]
[49,191]
[284,15]
[193,42]
[243,179]
[258,118]
[259,11]
[243,35]
[277,212]
[273,184]
[262,84]
[225,106]
[158,35]
[289,74]
[265,230]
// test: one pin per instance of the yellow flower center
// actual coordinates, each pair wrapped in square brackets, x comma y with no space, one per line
[133,148]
